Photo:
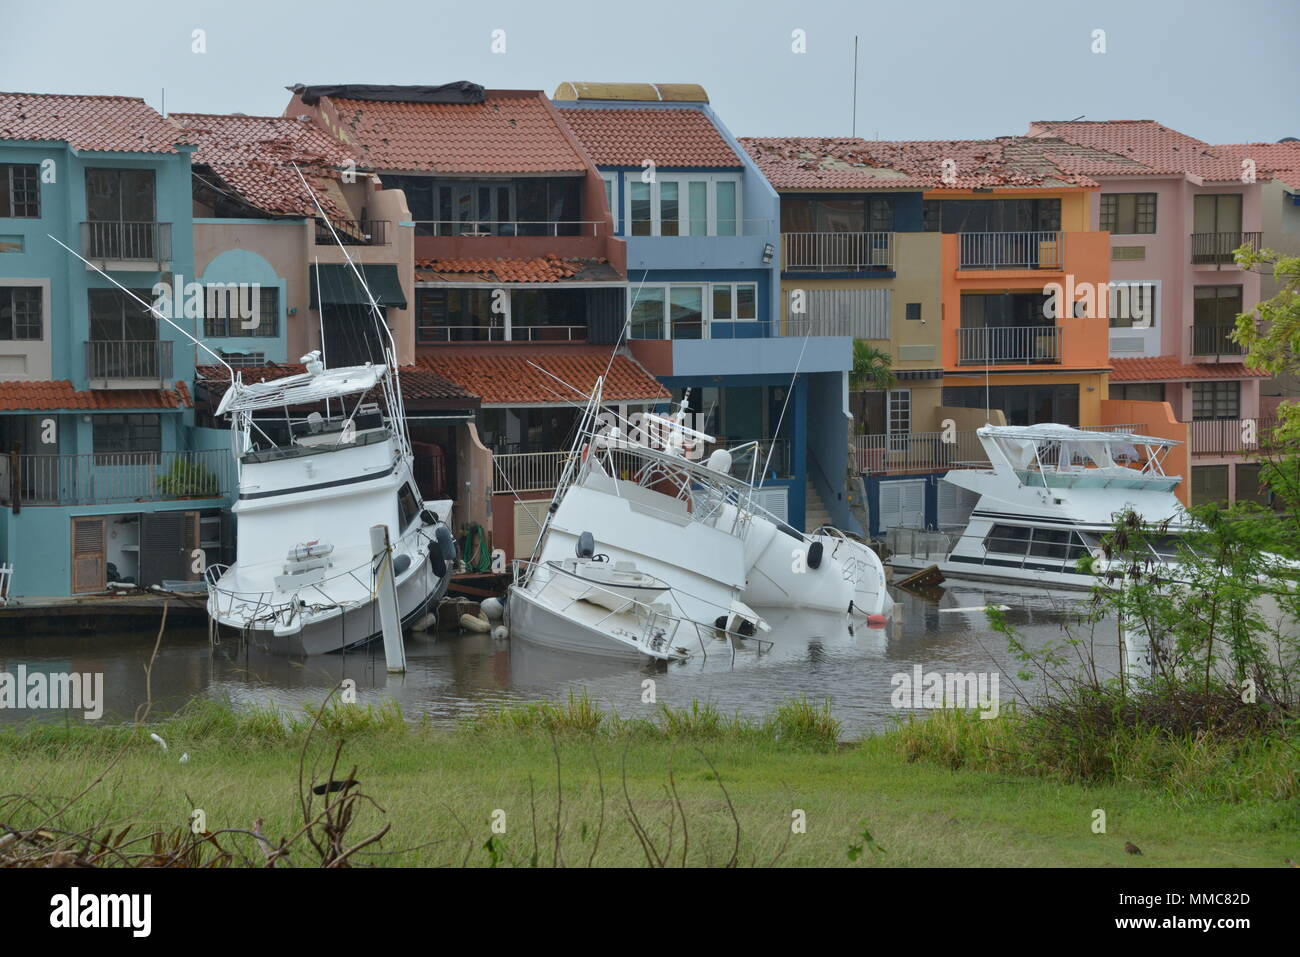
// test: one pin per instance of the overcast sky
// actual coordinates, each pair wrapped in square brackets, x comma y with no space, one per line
[928,69]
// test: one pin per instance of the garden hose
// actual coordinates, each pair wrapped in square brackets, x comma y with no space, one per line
[474,550]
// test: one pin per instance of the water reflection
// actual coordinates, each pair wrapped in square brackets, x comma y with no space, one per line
[453,675]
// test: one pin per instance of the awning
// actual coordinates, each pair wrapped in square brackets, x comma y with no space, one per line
[339,286]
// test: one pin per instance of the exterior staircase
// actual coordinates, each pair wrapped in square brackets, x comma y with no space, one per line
[815,513]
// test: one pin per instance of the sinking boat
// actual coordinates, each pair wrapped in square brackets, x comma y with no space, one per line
[304,580]
[1051,493]
[698,527]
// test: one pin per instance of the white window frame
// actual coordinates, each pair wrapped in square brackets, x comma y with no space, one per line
[683,201]
[898,418]
[707,307]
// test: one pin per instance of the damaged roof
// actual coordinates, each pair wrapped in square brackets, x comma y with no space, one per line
[254,156]
[671,138]
[117,124]
[1149,144]
[853,163]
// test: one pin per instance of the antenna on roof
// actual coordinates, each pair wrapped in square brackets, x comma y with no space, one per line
[855,85]
[1055,125]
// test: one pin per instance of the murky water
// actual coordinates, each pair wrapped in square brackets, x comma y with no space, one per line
[451,675]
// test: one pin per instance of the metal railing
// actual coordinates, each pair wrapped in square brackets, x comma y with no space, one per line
[1027,250]
[1214,339]
[918,452]
[353,232]
[999,345]
[1216,249]
[510,227]
[482,333]
[103,478]
[1231,436]
[126,359]
[141,242]
[837,252]
[528,471]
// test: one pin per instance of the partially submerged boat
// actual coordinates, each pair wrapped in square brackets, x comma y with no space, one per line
[1051,493]
[304,580]
[694,526]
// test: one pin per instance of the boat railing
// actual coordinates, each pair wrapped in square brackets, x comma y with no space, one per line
[252,606]
[916,541]
[658,628]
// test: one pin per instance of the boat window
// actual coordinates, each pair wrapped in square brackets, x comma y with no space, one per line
[1165,546]
[1008,539]
[1079,546]
[407,506]
[1050,543]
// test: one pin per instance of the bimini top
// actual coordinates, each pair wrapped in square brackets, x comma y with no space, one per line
[1050,432]
[305,389]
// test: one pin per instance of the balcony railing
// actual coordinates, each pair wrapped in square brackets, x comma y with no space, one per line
[124,359]
[354,232]
[933,451]
[1216,249]
[1003,345]
[1027,250]
[837,252]
[482,333]
[130,242]
[918,452]
[1231,436]
[106,478]
[1214,339]
[509,227]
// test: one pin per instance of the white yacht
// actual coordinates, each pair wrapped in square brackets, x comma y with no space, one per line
[304,581]
[694,526]
[1050,494]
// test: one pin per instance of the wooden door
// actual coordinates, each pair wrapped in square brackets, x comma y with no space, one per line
[88,555]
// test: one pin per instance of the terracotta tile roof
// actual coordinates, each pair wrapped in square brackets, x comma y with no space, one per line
[684,138]
[548,268]
[854,163]
[124,124]
[52,396]
[418,382]
[1169,368]
[509,132]
[1282,158]
[1158,148]
[254,156]
[508,378]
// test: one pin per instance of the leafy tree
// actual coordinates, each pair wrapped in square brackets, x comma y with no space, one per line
[871,371]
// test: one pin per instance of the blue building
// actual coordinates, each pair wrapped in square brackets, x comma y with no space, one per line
[103,476]
[702,227]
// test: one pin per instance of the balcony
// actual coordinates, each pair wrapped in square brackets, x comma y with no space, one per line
[1027,250]
[1214,339]
[487,333]
[837,252]
[127,364]
[1216,249]
[354,232]
[509,227]
[1231,436]
[1010,345]
[122,242]
[108,478]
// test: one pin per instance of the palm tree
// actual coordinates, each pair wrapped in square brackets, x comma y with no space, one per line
[870,372]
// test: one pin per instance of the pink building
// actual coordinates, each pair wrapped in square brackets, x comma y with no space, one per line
[1176,208]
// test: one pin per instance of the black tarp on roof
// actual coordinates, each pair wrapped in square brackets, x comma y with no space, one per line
[462,91]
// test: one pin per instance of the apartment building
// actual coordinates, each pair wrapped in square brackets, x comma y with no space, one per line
[1176,208]
[104,477]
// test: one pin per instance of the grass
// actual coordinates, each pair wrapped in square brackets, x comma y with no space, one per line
[574,785]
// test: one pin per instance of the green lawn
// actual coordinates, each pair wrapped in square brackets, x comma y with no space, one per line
[439,789]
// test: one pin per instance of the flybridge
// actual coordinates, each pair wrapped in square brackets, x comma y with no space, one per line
[1060,456]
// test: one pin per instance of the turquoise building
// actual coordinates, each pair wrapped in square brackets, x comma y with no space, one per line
[103,476]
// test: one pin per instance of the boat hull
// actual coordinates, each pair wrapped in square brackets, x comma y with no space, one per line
[532,619]
[349,628]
